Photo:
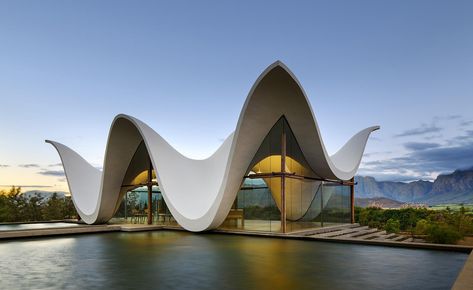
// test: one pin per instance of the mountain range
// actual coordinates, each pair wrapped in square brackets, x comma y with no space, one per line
[456,187]
[43,194]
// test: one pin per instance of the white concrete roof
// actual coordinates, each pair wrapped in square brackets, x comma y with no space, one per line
[275,93]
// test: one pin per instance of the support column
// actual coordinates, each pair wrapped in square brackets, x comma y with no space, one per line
[322,204]
[150,193]
[126,206]
[283,182]
[352,200]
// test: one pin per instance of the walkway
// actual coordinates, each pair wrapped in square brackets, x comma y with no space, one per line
[358,232]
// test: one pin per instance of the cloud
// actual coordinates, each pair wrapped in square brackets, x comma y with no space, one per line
[29,165]
[55,165]
[24,186]
[416,146]
[445,158]
[448,117]
[369,154]
[4,165]
[52,172]
[466,123]
[422,130]
[424,163]
[426,158]
[462,139]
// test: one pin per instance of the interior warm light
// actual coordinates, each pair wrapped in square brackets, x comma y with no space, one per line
[297,191]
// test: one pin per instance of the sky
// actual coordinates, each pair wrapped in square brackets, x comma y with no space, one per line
[67,68]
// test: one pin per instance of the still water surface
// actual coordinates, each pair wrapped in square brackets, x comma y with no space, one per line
[180,260]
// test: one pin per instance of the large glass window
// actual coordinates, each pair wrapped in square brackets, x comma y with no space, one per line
[254,208]
[134,208]
[306,200]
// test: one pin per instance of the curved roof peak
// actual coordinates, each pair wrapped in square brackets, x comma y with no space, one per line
[275,93]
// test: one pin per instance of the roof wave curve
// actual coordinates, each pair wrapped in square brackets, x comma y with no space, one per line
[97,194]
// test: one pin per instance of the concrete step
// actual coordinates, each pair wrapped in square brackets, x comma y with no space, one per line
[325,230]
[359,234]
[385,237]
[398,238]
[342,232]
[373,235]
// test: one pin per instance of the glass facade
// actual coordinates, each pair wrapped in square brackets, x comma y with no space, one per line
[254,208]
[280,181]
[280,192]
[134,208]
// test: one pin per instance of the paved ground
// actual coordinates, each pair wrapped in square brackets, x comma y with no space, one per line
[465,278]
[82,229]
[355,231]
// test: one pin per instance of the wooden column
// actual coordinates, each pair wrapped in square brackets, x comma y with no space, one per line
[352,200]
[322,204]
[283,182]
[126,206]
[150,193]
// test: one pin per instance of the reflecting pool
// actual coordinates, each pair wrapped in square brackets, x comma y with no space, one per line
[181,260]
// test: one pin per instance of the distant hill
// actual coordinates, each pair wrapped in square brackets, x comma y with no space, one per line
[44,194]
[381,201]
[456,187]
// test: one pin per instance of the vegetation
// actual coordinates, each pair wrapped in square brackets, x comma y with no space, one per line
[15,207]
[445,226]
[392,226]
[468,208]
[262,213]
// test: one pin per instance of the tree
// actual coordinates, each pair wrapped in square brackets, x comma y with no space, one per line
[16,207]
[53,209]
[392,226]
[33,210]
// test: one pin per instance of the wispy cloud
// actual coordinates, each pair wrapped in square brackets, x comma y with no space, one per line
[422,130]
[416,146]
[29,165]
[52,172]
[4,165]
[425,161]
[370,154]
[448,117]
[467,137]
[24,186]
[55,165]
[465,123]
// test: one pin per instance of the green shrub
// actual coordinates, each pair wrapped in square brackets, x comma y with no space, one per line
[392,226]
[421,227]
[440,226]
[374,224]
[442,234]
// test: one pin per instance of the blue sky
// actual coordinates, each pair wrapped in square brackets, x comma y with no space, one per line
[185,68]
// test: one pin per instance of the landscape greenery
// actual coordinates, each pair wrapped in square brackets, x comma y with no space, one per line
[444,226]
[17,207]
